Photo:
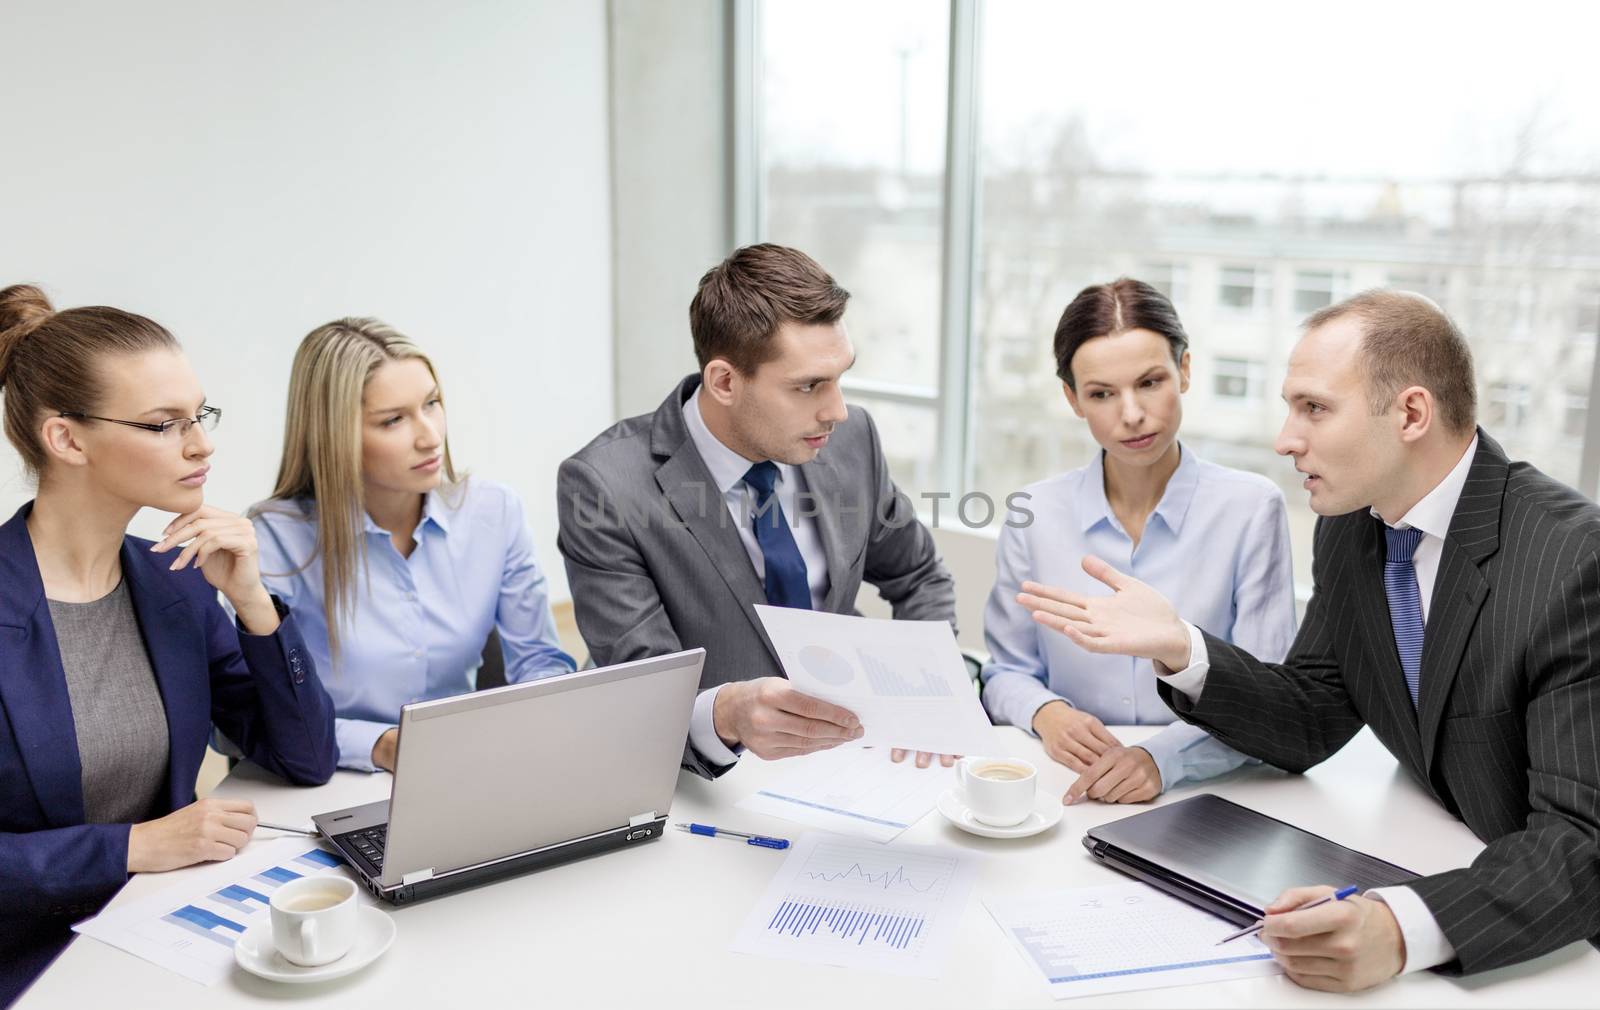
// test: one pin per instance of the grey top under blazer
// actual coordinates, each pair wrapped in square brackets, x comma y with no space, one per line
[656,565]
[1507,731]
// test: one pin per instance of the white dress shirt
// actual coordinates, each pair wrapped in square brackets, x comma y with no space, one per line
[727,471]
[1426,944]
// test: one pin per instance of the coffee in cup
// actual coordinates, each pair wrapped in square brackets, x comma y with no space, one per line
[314,919]
[998,791]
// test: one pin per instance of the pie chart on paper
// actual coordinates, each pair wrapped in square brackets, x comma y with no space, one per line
[826,665]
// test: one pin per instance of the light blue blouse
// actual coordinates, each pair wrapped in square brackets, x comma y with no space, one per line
[1217,546]
[419,623]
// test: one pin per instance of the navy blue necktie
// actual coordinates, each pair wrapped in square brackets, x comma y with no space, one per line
[1405,603]
[786,569]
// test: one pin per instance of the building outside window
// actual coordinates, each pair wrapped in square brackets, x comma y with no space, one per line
[1055,181]
[1238,379]
[1244,289]
[1318,289]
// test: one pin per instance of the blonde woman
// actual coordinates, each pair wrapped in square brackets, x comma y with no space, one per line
[395,568]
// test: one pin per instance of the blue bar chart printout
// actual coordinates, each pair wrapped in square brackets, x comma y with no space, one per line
[191,927]
[843,901]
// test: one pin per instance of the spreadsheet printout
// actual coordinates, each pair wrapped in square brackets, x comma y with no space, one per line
[1122,937]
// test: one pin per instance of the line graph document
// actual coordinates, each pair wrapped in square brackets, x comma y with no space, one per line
[1087,941]
[905,680]
[853,791]
[835,900]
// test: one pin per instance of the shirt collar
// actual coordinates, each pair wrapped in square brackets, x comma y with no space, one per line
[435,510]
[1093,508]
[1432,515]
[727,467]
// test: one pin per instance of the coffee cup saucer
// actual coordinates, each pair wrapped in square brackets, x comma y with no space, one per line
[255,953]
[1045,816]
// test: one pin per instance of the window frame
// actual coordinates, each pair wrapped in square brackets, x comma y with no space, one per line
[952,398]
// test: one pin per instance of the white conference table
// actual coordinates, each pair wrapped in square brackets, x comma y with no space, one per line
[652,925]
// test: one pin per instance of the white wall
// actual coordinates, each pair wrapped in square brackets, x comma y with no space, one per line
[670,183]
[243,172]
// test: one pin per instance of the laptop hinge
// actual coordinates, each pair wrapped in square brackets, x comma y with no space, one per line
[638,819]
[416,877]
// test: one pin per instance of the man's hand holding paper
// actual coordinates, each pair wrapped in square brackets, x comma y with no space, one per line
[904,680]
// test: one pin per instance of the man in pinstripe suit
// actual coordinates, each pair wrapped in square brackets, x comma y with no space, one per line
[1456,611]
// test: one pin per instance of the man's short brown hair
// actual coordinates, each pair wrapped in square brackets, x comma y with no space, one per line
[1406,341]
[742,302]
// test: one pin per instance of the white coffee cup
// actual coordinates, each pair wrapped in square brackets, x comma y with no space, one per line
[998,791]
[315,919]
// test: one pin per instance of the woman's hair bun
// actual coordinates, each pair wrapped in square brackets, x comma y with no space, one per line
[22,308]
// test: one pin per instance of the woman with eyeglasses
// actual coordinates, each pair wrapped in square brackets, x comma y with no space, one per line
[397,568]
[115,656]
[1214,539]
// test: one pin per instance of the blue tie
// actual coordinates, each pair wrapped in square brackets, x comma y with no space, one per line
[786,569]
[1405,603]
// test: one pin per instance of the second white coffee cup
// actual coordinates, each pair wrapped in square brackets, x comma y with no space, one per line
[998,791]
[315,919]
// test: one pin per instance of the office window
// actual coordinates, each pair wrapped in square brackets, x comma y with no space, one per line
[1586,315]
[1575,416]
[852,166]
[1431,284]
[1238,379]
[1171,279]
[1476,205]
[1242,289]
[1508,405]
[1318,289]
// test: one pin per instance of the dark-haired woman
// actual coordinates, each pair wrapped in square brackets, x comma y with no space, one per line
[115,656]
[1212,539]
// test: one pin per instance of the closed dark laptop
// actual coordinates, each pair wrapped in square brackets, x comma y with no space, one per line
[1230,860]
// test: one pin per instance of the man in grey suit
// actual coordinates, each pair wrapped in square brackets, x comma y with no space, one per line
[1456,611]
[753,482]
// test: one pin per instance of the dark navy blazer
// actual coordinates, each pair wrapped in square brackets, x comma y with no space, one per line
[261,691]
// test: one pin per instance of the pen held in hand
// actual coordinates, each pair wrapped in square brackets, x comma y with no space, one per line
[1339,895]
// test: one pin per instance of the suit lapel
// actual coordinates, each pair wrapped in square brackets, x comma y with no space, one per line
[33,685]
[1460,589]
[174,642]
[694,497]
[1373,605]
[825,492]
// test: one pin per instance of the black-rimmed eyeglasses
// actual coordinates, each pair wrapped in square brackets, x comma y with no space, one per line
[207,420]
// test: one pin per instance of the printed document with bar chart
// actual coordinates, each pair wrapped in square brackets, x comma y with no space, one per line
[905,680]
[836,900]
[191,927]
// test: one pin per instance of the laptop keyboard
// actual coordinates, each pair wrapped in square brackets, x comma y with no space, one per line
[369,843]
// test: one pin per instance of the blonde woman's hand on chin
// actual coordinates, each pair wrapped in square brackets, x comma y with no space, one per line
[223,546]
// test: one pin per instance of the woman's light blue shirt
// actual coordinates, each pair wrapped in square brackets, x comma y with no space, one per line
[1217,546]
[419,624]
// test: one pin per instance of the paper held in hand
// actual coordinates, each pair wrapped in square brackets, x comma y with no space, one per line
[905,680]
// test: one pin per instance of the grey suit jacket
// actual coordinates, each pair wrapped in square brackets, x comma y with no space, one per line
[1507,732]
[656,564]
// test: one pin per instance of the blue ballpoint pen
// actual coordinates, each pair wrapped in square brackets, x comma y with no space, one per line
[1339,895]
[711,832]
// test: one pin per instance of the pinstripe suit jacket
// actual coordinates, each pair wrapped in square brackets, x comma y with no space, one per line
[1507,730]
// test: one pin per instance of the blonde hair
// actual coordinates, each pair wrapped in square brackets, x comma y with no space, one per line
[322,448]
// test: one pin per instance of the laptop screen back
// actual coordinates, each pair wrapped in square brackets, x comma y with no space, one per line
[502,772]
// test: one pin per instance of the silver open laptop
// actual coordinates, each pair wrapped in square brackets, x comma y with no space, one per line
[512,779]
